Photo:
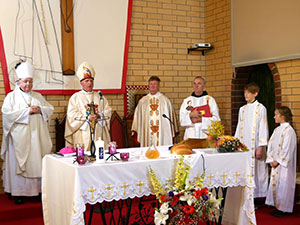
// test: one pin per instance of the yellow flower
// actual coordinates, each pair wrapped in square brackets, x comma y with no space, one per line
[158,190]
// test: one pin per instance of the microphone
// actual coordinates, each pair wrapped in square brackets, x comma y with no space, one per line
[165,116]
[101,95]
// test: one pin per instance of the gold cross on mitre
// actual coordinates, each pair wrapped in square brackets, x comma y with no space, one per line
[108,188]
[140,184]
[124,186]
[92,190]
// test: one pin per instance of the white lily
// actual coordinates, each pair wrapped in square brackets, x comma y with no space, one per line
[160,218]
[188,198]
[164,208]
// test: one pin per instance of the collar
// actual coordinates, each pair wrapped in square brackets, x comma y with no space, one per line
[198,96]
[156,95]
[252,102]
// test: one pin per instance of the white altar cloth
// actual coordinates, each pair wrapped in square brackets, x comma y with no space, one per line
[67,187]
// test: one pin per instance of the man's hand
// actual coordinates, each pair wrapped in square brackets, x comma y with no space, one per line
[274,164]
[196,116]
[34,110]
[259,153]
[93,117]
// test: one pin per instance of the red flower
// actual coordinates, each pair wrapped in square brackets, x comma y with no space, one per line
[197,193]
[163,198]
[204,191]
[188,209]
[175,200]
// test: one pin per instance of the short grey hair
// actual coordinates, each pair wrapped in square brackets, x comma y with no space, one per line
[200,77]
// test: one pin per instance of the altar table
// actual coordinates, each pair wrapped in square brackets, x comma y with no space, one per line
[67,186]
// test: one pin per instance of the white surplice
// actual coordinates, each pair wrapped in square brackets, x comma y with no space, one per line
[282,148]
[197,130]
[25,141]
[252,130]
[149,124]
[77,129]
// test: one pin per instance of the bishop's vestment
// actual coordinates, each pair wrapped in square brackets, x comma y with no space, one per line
[150,125]
[25,141]
[197,130]
[77,129]
[252,130]
[282,148]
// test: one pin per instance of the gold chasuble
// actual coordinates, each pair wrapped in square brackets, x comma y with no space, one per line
[150,125]
[77,129]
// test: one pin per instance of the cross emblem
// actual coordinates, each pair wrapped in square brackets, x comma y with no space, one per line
[74,211]
[124,186]
[210,177]
[108,188]
[224,176]
[250,176]
[236,175]
[140,184]
[92,190]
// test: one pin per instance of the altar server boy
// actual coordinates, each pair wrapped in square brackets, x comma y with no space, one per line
[282,150]
[252,130]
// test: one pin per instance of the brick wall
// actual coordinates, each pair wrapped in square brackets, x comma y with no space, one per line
[218,61]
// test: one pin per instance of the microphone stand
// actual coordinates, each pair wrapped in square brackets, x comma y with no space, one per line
[171,122]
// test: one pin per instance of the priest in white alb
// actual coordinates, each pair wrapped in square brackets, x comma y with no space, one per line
[26,116]
[87,108]
[198,111]
[154,121]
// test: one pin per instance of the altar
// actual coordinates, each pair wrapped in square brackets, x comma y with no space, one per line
[67,186]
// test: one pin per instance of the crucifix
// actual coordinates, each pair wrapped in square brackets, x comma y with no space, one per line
[67,35]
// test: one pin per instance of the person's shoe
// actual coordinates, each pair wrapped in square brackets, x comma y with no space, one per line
[274,212]
[281,214]
[19,200]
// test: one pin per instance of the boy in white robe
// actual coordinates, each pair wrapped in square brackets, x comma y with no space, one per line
[26,139]
[197,122]
[252,130]
[282,155]
[154,121]
[77,130]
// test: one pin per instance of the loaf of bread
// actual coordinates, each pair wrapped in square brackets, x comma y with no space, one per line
[182,149]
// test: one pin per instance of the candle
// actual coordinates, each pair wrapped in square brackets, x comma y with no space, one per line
[112,148]
[124,156]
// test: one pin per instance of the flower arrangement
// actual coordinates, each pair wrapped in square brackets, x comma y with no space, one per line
[230,144]
[215,130]
[184,202]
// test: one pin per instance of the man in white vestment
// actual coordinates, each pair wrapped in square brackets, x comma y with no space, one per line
[252,130]
[198,110]
[154,121]
[79,117]
[26,139]
[282,156]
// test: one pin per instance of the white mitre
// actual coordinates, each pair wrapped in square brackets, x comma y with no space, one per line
[25,70]
[85,70]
